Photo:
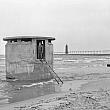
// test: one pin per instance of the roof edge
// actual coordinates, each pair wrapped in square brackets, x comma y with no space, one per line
[28,37]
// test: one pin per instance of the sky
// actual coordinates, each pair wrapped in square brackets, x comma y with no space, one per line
[82,24]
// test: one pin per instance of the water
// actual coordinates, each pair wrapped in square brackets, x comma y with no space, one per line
[73,70]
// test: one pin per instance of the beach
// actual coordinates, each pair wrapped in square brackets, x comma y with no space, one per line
[72,100]
[86,87]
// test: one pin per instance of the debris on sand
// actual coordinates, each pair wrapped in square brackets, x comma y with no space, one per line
[73,101]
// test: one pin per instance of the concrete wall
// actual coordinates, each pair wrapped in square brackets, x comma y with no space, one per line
[18,57]
[49,53]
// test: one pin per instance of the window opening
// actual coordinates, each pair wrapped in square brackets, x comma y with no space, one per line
[49,41]
[14,40]
[27,40]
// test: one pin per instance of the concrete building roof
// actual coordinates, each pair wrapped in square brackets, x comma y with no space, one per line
[28,37]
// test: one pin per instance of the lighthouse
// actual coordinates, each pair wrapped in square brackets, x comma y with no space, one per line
[66,49]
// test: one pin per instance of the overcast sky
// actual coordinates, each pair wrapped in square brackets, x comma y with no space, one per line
[82,24]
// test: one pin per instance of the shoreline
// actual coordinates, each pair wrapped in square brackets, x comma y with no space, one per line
[65,101]
[29,102]
[69,98]
[66,88]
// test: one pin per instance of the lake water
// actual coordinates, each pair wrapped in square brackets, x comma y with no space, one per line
[74,70]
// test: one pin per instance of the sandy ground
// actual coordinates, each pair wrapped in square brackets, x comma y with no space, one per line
[93,95]
[86,87]
[87,91]
[97,100]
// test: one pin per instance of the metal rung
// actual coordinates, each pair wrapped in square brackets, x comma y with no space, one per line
[56,77]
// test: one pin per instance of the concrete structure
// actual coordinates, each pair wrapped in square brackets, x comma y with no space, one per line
[25,57]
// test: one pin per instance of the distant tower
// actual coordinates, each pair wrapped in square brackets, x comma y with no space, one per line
[66,49]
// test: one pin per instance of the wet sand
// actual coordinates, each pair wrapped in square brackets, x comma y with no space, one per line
[91,95]
[64,89]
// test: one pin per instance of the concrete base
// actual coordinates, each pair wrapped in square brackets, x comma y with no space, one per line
[39,73]
[33,78]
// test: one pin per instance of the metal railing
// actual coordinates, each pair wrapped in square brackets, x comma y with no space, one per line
[54,74]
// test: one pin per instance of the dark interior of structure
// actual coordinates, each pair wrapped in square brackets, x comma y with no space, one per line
[40,49]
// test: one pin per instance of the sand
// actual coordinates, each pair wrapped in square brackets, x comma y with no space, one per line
[66,101]
[86,87]
[75,97]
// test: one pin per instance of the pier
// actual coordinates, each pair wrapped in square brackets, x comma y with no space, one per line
[95,52]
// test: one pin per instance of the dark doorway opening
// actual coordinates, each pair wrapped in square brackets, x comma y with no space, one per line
[40,49]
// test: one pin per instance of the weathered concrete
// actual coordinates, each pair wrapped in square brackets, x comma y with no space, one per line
[22,62]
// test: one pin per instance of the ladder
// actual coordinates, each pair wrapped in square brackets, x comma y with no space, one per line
[52,72]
